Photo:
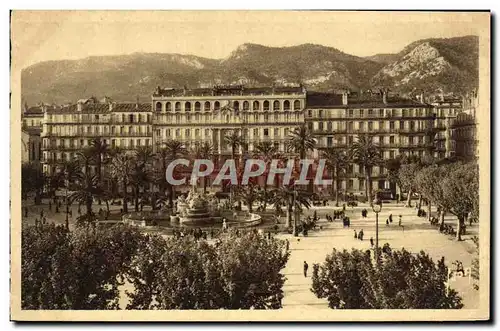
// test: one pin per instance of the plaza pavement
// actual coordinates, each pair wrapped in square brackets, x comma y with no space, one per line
[418,235]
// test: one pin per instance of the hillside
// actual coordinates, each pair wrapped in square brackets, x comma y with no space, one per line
[450,64]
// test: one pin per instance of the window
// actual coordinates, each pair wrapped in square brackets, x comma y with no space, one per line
[158,106]
[370,112]
[310,126]
[286,105]
[402,125]
[113,143]
[255,132]
[177,106]
[381,112]
[266,132]
[96,117]
[361,184]
[187,106]
[236,105]
[197,106]
[329,141]
[381,125]
[361,112]
[286,132]
[188,133]
[276,105]
[197,132]
[421,140]
[412,125]
[350,126]
[391,139]
[320,113]
[276,117]
[351,112]
[266,117]
[266,105]
[351,140]
[168,106]
[147,142]
[329,126]
[296,105]
[207,106]
[149,118]
[177,132]
[391,125]
[167,132]
[276,132]
[405,113]
[131,143]
[255,117]
[370,126]
[216,105]
[246,105]
[309,113]
[123,117]
[130,129]
[256,105]
[207,132]
[381,140]
[131,118]
[392,154]
[350,169]
[361,126]
[350,184]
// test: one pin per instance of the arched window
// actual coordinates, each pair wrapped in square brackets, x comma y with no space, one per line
[187,106]
[217,105]
[168,106]
[296,105]
[158,106]
[246,105]
[197,106]
[207,106]
[177,106]
[276,105]
[266,105]
[256,105]
[286,105]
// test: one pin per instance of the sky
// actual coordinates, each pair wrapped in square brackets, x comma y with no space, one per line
[42,36]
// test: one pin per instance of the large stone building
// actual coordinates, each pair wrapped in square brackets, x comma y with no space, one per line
[32,119]
[193,116]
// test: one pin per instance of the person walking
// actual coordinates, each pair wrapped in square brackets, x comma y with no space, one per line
[355,235]
[400,220]
[361,234]
[390,218]
[371,241]
[306,266]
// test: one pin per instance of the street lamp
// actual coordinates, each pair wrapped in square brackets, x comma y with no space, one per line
[377,208]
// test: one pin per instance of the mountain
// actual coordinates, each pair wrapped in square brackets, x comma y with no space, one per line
[450,64]
[433,64]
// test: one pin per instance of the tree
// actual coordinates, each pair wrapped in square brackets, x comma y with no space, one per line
[121,168]
[336,162]
[70,172]
[242,272]
[174,149]
[139,178]
[248,194]
[284,196]
[400,280]
[78,270]
[267,151]
[204,151]
[365,153]
[85,158]
[32,181]
[407,179]
[300,141]
[100,150]
[461,192]
[87,190]
[234,141]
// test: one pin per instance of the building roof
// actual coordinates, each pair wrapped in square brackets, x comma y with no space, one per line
[228,90]
[332,100]
[103,108]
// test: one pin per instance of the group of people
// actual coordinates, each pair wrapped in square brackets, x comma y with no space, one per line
[359,235]
[196,233]
[389,220]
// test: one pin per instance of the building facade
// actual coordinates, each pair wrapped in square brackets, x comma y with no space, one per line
[193,116]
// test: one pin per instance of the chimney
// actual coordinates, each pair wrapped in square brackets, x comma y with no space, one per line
[384,96]
[184,90]
[25,108]
[79,106]
[422,97]
[344,98]
[137,102]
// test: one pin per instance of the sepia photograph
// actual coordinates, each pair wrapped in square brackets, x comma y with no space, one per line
[250,166]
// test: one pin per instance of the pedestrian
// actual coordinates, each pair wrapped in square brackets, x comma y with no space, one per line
[269,235]
[343,207]
[287,244]
[390,218]
[387,222]
[360,235]
[57,209]
[306,266]
[355,235]
[371,241]
[400,220]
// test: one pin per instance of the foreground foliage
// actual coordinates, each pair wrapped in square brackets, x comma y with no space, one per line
[84,269]
[401,280]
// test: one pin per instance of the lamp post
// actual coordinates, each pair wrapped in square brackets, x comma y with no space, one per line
[377,208]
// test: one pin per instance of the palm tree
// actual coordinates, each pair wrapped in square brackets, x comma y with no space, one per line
[300,141]
[234,140]
[174,149]
[267,151]
[85,158]
[32,180]
[100,149]
[336,162]
[249,194]
[121,168]
[286,195]
[139,178]
[204,151]
[366,154]
[70,172]
[88,189]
